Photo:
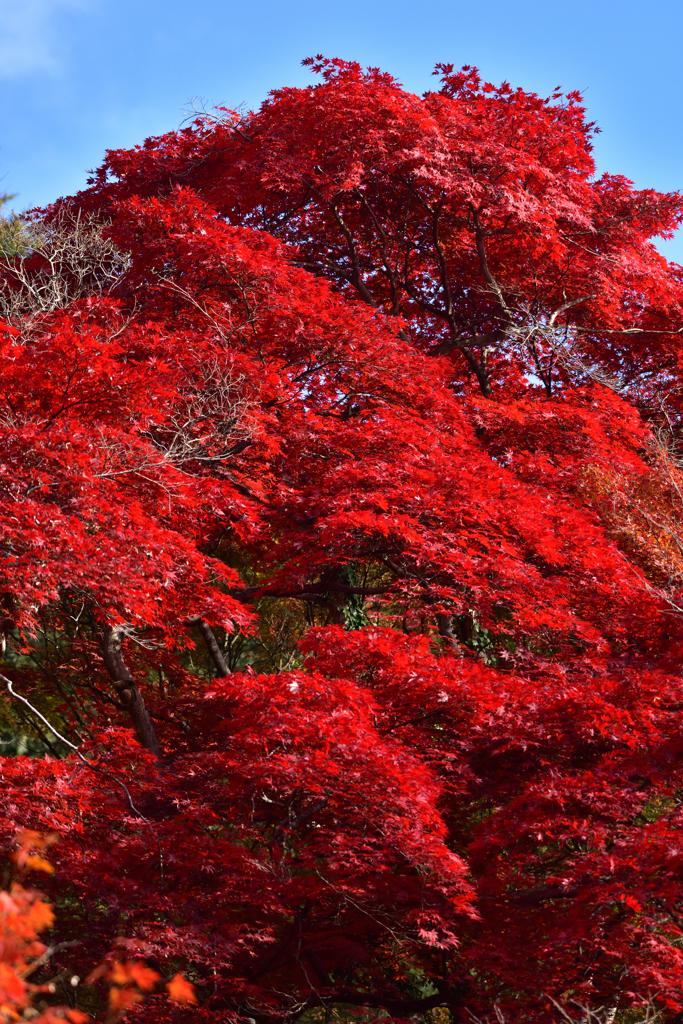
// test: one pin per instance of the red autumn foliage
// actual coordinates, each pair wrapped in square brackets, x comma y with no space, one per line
[356,493]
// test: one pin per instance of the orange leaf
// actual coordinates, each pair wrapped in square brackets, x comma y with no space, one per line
[123,998]
[181,991]
[144,977]
[35,863]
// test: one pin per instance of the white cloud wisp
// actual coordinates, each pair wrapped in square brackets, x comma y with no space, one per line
[29,35]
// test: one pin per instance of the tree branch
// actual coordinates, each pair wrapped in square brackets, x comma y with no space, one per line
[126,687]
[214,650]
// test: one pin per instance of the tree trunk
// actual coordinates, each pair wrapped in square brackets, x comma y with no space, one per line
[126,688]
[214,650]
[445,626]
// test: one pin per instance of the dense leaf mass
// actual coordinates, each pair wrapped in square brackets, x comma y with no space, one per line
[342,546]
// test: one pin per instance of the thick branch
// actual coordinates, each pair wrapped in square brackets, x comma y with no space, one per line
[540,893]
[485,269]
[125,685]
[212,647]
[462,344]
[313,590]
[398,1007]
[393,284]
[356,276]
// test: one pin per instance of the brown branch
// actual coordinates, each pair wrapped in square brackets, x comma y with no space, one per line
[356,276]
[125,685]
[315,590]
[539,894]
[212,647]
[385,255]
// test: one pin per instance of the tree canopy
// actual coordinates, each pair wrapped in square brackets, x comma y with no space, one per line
[343,563]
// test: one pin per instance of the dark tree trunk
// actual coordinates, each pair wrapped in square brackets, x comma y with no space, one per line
[127,689]
[214,650]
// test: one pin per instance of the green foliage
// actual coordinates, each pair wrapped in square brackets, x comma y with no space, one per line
[16,233]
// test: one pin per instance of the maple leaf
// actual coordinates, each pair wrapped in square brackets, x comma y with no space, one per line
[181,991]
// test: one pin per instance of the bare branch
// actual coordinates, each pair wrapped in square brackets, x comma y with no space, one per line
[64,259]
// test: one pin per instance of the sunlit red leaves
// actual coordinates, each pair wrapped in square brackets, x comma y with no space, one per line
[362,178]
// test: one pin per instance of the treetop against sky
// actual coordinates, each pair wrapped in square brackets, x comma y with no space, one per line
[80,76]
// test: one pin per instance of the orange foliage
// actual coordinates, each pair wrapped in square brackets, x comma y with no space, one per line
[24,914]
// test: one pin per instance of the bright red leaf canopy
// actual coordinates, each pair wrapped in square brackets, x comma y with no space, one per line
[356,493]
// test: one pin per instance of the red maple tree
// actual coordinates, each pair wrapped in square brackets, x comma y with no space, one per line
[340,461]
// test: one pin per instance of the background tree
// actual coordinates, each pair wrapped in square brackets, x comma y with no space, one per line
[15,233]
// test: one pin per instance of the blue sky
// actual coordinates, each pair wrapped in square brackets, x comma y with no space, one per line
[81,76]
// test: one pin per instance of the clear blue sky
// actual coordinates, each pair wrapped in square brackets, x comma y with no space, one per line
[81,76]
